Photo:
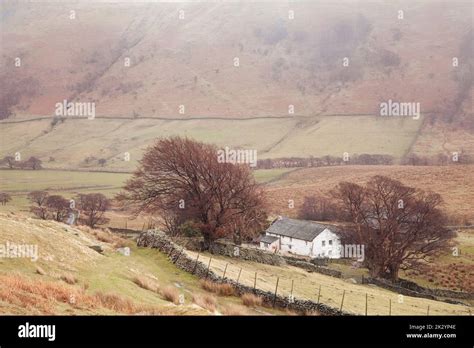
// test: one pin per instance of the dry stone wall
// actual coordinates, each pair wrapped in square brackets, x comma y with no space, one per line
[160,241]
[232,250]
[411,289]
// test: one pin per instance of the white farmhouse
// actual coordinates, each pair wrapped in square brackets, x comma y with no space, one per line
[299,237]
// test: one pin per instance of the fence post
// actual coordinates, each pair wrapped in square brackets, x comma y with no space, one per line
[225,270]
[126,220]
[389,306]
[195,265]
[276,289]
[428,310]
[319,293]
[208,266]
[342,301]
[366,303]
[238,277]
[291,293]
[255,281]
[179,255]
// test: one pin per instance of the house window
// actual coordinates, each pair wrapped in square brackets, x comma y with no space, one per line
[329,252]
[289,246]
[324,243]
[291,239]
[330,242]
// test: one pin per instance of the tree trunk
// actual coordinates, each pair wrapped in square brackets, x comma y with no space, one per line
[206,242]
[393,272]
[237,237]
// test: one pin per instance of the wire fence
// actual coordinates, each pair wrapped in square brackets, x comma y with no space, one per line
[294,283]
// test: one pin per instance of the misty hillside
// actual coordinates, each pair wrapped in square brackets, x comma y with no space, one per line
[176,61]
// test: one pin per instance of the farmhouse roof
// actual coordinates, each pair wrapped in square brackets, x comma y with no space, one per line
[298,229]
[268,239]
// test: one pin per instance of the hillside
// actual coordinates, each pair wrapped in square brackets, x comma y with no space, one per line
[190,62]
[453,183]
[71,278]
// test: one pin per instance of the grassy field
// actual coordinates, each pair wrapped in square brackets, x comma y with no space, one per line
[68,144]
[306,286]
[64,253]
[18,183]
[447,271]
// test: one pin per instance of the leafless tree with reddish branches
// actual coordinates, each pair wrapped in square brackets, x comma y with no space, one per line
[397,224]
[182,180]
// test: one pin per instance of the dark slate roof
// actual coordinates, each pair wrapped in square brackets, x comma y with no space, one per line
[268,239]
[298,229]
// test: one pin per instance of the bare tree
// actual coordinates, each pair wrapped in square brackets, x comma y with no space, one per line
[183,180]
[93,207]
[396,224]
[58,207]
[38,198]
[9,161]
[319,208]
[5,198]
[33,163]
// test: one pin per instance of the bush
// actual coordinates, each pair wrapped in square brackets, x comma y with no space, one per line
[223,289]
[70,279]
[251,300]
[188,229]
[170,294]
[146,284]
[205,301]
[5,198]
[115,302]
[318,208]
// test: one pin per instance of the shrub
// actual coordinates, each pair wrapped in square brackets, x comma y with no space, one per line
[171,294]
[251,300]
[146,284]
[115,302]
[44,297]
[223,289]
[70,279]
[290,312]
[205,301]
